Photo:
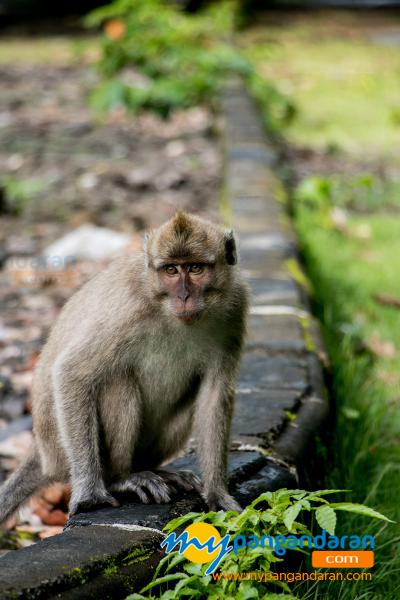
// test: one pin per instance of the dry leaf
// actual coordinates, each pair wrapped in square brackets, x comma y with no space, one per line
[381,348]
[387,300]
[50,531]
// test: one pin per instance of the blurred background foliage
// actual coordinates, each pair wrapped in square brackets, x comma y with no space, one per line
[157,57]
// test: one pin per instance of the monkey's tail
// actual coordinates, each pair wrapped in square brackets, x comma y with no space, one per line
[24,482]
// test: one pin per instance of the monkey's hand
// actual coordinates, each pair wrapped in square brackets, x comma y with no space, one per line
[222,500]
[86,502]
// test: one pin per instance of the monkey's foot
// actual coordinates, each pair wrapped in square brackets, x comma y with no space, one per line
[158,486]
[89,502]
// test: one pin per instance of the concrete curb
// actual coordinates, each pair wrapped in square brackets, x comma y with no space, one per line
[281,402]
[281,325]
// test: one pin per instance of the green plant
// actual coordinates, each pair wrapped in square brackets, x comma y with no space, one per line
[18,192]
[362,193]
[347,271]
[273,513]
[179,60]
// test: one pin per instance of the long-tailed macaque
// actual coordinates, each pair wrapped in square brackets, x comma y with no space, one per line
[143,350]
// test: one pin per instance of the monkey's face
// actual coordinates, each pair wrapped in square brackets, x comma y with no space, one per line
[190,264]
[185,286]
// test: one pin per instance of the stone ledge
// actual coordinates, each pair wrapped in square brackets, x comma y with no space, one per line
[74,558]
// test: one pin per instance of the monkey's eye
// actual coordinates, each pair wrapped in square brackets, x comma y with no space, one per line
[196,269]
[171,270]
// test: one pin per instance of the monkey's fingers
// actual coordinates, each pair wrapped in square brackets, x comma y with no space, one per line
[184,479]
[128,486]
[156,486]
[146,485]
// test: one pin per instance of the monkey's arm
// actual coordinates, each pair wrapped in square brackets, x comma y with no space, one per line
[74,383]
[214,411]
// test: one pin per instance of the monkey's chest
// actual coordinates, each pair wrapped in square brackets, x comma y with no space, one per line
[167,361]
[168,373]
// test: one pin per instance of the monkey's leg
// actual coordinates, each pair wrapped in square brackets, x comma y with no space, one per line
[26,480]
[214,410]
[77,417]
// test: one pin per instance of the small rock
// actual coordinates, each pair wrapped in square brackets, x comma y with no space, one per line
[16,446]
[175,148]
[88,181]
[15,162]
[88,242]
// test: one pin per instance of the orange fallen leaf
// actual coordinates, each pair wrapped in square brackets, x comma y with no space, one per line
[51,517]
[51,504]
[114,29]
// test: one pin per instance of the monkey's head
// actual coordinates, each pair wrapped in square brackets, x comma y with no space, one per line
[190,264]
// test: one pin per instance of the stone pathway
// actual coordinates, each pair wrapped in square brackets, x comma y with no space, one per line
[280,394]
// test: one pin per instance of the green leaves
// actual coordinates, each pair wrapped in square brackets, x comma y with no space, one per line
[326,518]
[19,192]
[291,514]
[315,191]
[360,509]
[184,58]
[270,514]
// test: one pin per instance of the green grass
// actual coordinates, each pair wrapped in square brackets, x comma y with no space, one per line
[344,87]
[344,84]
[347,272]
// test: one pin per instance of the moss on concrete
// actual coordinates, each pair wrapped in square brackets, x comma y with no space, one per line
[297,273]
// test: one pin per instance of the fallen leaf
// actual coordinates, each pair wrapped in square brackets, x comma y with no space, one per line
[114,29]
[22,543]
[387,300]
[381,348]
[50,531]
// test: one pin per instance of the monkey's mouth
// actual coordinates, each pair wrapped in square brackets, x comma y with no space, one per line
[188,316]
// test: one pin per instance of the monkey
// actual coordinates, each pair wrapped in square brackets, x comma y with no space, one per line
[144,353]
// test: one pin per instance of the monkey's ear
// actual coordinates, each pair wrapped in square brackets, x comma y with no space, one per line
[230,248]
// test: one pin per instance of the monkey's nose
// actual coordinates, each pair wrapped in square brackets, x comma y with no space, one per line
[184,296]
